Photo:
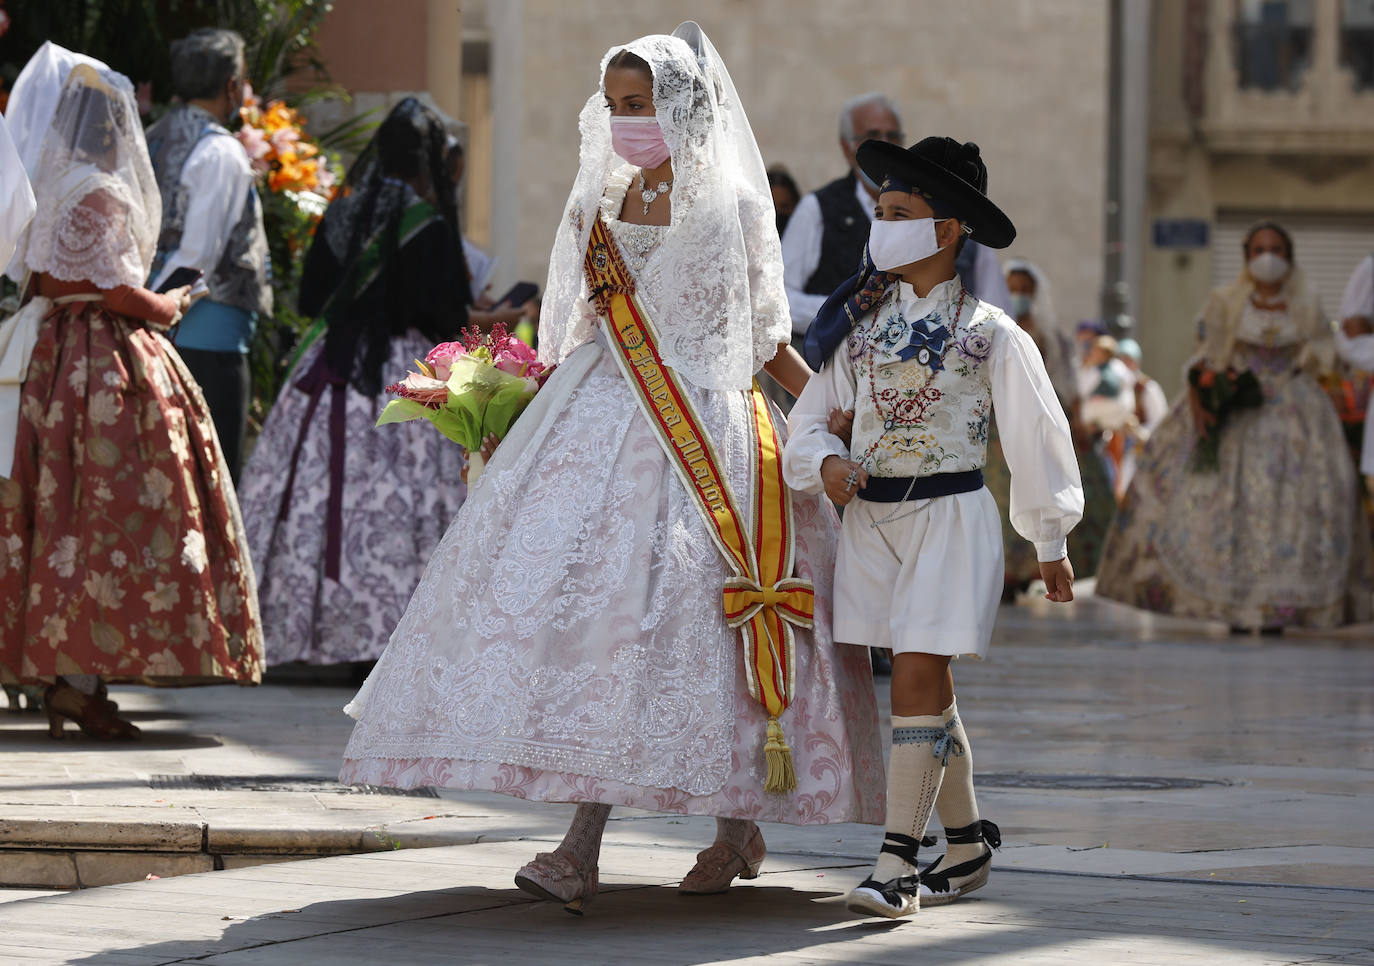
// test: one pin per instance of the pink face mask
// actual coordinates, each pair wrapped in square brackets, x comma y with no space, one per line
[639,140]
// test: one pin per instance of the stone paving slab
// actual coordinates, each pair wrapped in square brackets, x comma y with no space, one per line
[457,905]
[1281,730]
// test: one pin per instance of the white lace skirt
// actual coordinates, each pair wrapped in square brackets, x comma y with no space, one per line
[567,640]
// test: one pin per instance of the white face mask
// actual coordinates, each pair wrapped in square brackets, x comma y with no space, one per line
[892,244]
[1268,267]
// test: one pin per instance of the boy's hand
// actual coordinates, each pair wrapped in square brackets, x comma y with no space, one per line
[1058,577]
[843,479]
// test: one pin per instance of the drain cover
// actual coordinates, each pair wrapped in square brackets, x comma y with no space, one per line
[271,783]
[1095,782]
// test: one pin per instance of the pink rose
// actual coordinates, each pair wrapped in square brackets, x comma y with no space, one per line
[256,146]
[506,363]
[283,139]
[520,351]
[441,357]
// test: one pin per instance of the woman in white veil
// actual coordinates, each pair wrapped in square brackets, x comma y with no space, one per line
[121,550]
[567,641]
[1032,306]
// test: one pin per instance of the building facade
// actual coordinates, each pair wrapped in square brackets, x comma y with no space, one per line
[1023,78]
[1259,109]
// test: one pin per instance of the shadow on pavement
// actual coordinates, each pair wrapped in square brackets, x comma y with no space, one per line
[651,923]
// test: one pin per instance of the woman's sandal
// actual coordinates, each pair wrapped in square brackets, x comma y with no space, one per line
[556,875]
[718,866]
[94,714]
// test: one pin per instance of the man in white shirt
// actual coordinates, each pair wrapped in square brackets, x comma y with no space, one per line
[1355,341]
[825,236]
[212,222]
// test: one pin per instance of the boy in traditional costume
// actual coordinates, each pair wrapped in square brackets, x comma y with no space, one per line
[912,367]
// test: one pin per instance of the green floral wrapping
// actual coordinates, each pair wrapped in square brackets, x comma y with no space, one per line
[481,400]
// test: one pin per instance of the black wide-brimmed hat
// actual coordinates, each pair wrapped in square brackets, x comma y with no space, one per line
[946,172]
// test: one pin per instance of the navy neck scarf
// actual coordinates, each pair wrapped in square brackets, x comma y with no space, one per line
[842,311]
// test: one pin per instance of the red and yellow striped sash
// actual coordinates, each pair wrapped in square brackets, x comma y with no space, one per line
[762,600]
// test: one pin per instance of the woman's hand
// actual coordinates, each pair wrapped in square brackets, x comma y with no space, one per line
[1058,577]
[1356,326]
[182,297]
[1202,419]
[843,479]
[840,424]
[488,448]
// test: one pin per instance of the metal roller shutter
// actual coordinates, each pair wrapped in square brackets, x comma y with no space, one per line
[1328,247]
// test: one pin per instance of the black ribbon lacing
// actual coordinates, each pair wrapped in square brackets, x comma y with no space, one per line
[937,879]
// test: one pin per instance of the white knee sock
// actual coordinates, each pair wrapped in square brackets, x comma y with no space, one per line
[913,782]
[956,804]
[583,838]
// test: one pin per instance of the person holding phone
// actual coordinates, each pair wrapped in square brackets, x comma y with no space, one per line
[212,233]
[122,554]
[342,515]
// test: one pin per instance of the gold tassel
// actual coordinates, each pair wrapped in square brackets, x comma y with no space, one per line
[782,774]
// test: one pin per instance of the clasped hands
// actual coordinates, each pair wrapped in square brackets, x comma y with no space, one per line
[844,478]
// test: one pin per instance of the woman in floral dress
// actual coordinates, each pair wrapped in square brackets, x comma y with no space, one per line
[1272,536]
[121,550]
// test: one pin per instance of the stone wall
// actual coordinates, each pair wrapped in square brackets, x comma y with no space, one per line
[1026,79]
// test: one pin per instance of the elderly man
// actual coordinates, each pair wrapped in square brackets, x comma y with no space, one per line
[212,222]
[826,234]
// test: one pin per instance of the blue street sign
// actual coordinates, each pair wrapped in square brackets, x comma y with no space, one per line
[1181,233]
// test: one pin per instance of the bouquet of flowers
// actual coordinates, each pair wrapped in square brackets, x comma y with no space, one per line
[1219,394]
[470,389]
[283,154]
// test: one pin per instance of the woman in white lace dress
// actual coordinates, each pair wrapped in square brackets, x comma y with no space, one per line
[567,641]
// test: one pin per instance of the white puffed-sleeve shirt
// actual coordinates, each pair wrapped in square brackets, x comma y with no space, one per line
[1046,490]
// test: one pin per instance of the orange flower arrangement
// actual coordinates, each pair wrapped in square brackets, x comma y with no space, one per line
[275,139]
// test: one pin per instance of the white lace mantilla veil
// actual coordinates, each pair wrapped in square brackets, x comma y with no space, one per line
[720,309]
[1042,302]
[33,100]
[99,210]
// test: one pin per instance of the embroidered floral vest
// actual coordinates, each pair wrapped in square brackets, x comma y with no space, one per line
[923,395]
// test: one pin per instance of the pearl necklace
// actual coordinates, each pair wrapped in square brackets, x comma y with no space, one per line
[647,195]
